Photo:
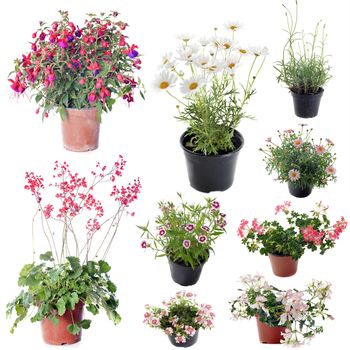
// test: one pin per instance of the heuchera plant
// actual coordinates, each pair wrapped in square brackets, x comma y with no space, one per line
[185,233]
[296,310]
[304,231]
[74,269]
[181,317]
[73,67]
[299,159]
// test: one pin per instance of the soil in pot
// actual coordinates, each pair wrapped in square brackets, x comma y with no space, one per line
[269,335]
[184,275]
[189,342]
[283,266]
[58,334]
[80,129]
[209,173]
[307,105]
[298,191]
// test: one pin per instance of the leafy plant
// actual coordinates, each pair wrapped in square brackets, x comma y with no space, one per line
[50,290]
[181,317]
[299,160]
[295,310]
[313,231]
[72,67]
[185,233]
[214,100]
[304,67]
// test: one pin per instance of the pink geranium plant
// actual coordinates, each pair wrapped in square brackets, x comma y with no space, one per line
[78,67]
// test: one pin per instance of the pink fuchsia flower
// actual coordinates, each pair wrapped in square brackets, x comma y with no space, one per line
[320,149]
[99,83]
[202,239]
[143,244]
[180,339]
[243,228]
[162,232]
[297,143]
[189,227]
[283,207]
[330,170]
[312,235]
[168,331]
[205,228]
[82,81]
[92,97]
[294,175]
[186,243]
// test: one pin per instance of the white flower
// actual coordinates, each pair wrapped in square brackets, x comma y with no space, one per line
[214,66]
[167,61]
[223,43]
[233,25]
[185,37]
[230,64]
[192,85]
[164,80]
[242,50]
[201,60]
[258,51]
[187,53]
[203,41]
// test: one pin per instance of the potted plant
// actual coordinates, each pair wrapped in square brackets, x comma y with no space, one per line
[282,316]
[79,73]
[185,234]
[213,103]
[73,274]
[300,161]
[180,318]
[285,245]
[304,66]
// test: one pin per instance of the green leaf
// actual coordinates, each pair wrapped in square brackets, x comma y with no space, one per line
[61,306]
[104,267]
[38,97]
[111,287]
[85,324]
[73,328]
[92,308]
[62,112]
[46,257]
[74,262]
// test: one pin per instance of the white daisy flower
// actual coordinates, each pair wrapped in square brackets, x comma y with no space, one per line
[233,25]
[259,51]
[223,43]
[164,81]
[242,50]
[185,37]
[192,85]
[230,64]
[214,66]
[201,60]
[187,53]
[167,61]
[203,41]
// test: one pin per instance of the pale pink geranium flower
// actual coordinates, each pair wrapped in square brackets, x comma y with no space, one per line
[180,339]
[294,175]
[168,331]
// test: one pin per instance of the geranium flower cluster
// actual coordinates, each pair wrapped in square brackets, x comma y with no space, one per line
[299,159]
[73,67]
[295,310]
[185,233]
[74,196]
[313,231]
[181,317]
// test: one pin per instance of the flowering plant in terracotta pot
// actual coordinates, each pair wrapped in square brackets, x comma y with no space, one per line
[300,161]
[304,67]
[289,316]
[185,234]
[74,271]
[180,318]
[215,89]
[285,245]
[72,68]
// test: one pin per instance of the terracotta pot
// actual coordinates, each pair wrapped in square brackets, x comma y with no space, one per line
[58,334]
[80,129]
[269,335]
[283,266]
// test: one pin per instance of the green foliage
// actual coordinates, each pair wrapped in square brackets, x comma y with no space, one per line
[304,67]
[50,290]
[200,225]
[298,151]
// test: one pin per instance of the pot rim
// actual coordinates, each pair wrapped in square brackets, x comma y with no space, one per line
[240,136]
[81,109]
[281,256]
[181,263]
[319,92]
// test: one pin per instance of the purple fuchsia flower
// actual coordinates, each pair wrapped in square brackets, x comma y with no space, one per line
[78,33]
[70,38]
[186,243]
[202,239]
[133,54]
[189,227]
[62,44]
[162,232]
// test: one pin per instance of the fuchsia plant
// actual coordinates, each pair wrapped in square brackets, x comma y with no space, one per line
[75,197]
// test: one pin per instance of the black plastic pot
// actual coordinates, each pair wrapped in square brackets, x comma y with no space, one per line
[189,342]
[298,191]
[184,275]
[307,105]
[212,172]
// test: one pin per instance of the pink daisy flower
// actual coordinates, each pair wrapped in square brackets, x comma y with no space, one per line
[330,170]
[297,143]
[320,149]
[294,175]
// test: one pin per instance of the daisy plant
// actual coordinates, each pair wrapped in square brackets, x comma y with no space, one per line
[304,66]
[185,233]
[181,317]
[303,231]
[299,160]
[211,100]
[296,310]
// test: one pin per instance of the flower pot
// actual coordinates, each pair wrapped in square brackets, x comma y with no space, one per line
[297,191]
[189,341]
[58,334]
[283,266]
[307,105]
[269,335]
[80,129]
[184,275]
[212,172]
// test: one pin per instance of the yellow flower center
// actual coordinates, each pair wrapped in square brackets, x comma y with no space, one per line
[233,27]
[242,51]
[227,46]
[231,65]
[164,84]
[193,86]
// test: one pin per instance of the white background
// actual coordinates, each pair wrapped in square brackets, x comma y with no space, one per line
[147,135]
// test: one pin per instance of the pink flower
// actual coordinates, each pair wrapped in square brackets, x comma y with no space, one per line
[330,170]
[189,227]
[154,321]
[190,331]
[186,243]
[47,211]
[180,339]
[259,229]
[283,207]
[338,228]
[320,149]
[297,143]
[92,97]
[312,235]
[269,139]
[82,81]
[202,239]
[215,205]
[144,244]
[243,228]
[205,228]
[294,175]
[99,83]
[168,331]
[162,232]
[330,142]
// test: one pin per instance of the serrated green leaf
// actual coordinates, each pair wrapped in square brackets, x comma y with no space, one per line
[74,328]
[104,267]
[61,306]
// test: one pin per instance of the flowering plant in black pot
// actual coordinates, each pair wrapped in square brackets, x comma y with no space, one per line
[185,234]
[300,161]
[304,66]
[213,102]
